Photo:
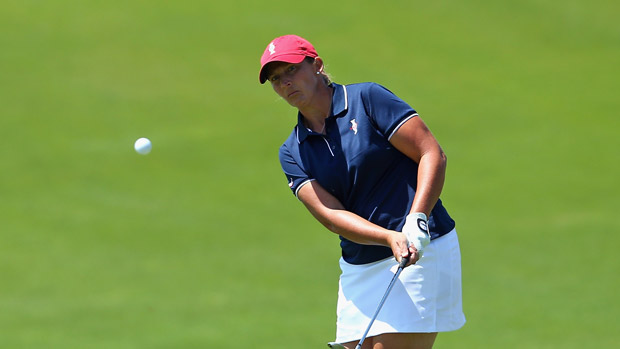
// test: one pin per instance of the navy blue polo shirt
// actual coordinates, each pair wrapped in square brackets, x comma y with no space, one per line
[356,163]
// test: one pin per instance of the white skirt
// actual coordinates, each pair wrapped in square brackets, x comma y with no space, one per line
[426,298]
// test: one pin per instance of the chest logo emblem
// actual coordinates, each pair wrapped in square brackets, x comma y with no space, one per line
[354,126]
[290,184]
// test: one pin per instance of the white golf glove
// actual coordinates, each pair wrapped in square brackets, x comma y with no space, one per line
[416,231]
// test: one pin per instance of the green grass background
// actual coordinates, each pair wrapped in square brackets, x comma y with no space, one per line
[201,245]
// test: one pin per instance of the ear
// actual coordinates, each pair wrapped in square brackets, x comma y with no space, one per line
[318,64]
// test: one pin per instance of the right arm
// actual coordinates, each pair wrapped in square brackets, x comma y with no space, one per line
[330,212]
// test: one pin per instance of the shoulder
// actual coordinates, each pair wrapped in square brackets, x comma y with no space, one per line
[362,87]
[368,91]
[290,143]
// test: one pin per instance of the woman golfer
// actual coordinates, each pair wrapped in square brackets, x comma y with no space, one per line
[367,167]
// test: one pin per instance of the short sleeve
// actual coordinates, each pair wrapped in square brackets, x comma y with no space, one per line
[295,174]
[387,111]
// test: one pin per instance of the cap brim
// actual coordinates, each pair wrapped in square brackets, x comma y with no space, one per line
[289,58]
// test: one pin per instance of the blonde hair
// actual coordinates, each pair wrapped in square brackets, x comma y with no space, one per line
[324,75]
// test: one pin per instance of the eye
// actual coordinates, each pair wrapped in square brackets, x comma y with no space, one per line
[291,68]
[274,78]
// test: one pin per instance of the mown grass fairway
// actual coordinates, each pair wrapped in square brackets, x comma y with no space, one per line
[201,245]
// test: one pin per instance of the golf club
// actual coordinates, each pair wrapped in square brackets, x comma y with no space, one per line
[401,266]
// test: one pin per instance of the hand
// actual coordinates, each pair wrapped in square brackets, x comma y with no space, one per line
[400,247]
[416,231]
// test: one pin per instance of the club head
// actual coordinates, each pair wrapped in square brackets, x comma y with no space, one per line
[335,345]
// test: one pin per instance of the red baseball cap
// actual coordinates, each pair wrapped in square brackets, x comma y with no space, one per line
[287,48]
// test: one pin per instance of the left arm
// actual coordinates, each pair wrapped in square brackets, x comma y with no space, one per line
[416,141]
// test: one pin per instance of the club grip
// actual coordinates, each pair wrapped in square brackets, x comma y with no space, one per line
[403,262]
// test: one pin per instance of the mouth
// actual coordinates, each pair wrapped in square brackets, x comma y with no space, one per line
[292,93]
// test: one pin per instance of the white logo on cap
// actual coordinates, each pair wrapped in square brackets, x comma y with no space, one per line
[272,48]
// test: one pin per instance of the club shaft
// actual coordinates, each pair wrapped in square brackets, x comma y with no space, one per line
[387,292]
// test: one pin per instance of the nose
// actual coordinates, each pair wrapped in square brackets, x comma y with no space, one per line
[286,80]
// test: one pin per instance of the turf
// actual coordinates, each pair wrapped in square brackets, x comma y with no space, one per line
[201,245]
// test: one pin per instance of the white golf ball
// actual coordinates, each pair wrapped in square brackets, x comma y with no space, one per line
[143,146]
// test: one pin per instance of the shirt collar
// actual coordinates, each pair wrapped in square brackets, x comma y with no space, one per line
[340,104]
[340,101]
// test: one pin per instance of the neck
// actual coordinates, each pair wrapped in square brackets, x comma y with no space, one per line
[316,113]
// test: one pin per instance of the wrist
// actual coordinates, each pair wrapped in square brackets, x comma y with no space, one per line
[416,215]
[418,220]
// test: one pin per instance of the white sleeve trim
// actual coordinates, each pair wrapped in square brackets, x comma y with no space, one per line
[401,124]
[301,185]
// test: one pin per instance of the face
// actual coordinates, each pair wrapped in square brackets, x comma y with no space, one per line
[295,83]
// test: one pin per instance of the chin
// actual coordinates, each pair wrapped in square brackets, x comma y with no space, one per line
[295,102]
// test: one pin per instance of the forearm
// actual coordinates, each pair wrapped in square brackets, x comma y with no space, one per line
[431,177]
[330,212]
[353,227]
